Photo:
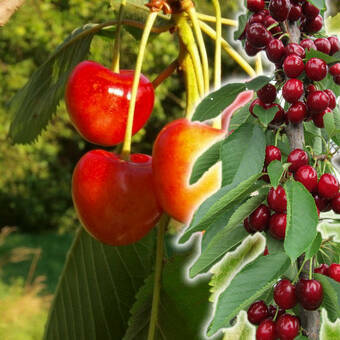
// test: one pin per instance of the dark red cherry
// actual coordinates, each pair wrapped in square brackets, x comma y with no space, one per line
[297,112]
[277,226]
[259,219]
[247,226]
[266,330]
[250,49]
[279,117]
[309,293]
[292,90]
[257,312]
[309,10]
[316,69]
[336,80]
[335,44]
[287,327]
[328,186]
[308,176]
[272,311]
[267,94]
[272,153]
[279,9]
[284,294]
[295,13]
[317,101]
[311,88]
[293,48]
[293,66]
[277,199]
[256,18]
[270,21]
[313,25]
[323,269]
[322,203]
[255,5]
[323,45]
[318,118]
[334,271]
[336,203]
[308,44]
[258,36]
[297,158]
[275,51]
[332,99]
[266,251]
[335,70]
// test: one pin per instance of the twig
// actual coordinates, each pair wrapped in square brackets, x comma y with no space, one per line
[8,8]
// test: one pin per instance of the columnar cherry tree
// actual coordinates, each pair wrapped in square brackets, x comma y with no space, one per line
[248,171]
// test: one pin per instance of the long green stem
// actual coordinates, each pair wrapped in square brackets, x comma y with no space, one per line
[158,276]
[209,18]
[116,46]
[128,132]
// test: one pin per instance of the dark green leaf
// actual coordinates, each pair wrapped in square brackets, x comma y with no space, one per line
[274,246]
[275,172]
[314,247]
[242,21]
[239,117]
[317,54]
[257,83]
[301,337]
[328,83]
[265,115]
[328,119]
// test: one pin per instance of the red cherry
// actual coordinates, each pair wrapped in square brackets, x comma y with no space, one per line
[335,44]
[332,99]
[336,203]
[284,294]
[316,69]
[295,13]
[256,18]
[277,226]
[328,186]
[269,21]
[309,293]
[257,312]
[323,45]
[275,51]
[317,101]
[292,90]
[272,311]
[250,49]
[323,269]
[259,219]
[293,66]
[335,70]
[308,176]
[318,118]
[311,88]
[265,252]
[308,44]
[322,203]
[279,9]
[297,158]
[287,327]
[310,10]
[267,94]
[247,226]
[106,190]
[280,114]
[266,330]
[313,25]
[272,153]
[256,101]
[97,100]
[255,5]
[296,49]
[336,80]
[258,36]
[277,199]
[297,112]
[334,271]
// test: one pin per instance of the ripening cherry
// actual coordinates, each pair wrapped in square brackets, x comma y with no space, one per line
[275,51]
[328,186]
[296,49]
[284,294]
[308,44]
[316,69]
[308,176]
[334,271]
[297,112]
[317,101]
[322,269]
[332,99]
[287,327]
[293,66]
[272,153]
[277,199]
[297,158]
[335,44]
[266,330]
[267,94]
[313,25]
[336,203]
[259,219]
[277,226]
[322,203]
[292,90]
[323,45]
[309,293]
[309,10]
[258,36]
[255,5]
[257,312]
[279,9]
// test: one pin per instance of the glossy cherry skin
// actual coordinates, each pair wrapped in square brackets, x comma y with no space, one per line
[293,48]
[272,153]
[267,94]
[316,69]
[293,66]
[275,51]
[247,226]
[292,90]
[335,70]
[258,36]
[313,25]
[323,269]
[269,21]
[97,101]
[277,226]
[250,49]
[328,186]
[287,327]
[257,312]
[298,158]
[311,88]
[266,330]
[115,199]
[322,203]
[334,271]
[256,18]
[335,44]
[279,9]
[332,99]
[259,219]
[175,150]
[277,199]
[255,5]
[318,118]
[297,112]
[323,45]
[336,203]
[308,44]
[310,10]
[336,80]
[284,294]
[317,101]
[309,293]
[308,176]
[295,13]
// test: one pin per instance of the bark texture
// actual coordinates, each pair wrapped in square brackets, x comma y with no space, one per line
[8,8]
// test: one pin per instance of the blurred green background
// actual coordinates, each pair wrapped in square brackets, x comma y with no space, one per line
[36,213]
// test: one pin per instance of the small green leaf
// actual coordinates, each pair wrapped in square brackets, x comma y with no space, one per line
[275,171]
[302,219]
[320,4]
[317,54]
[328,119]
[314,247]
[257,83]
[242,21]
[265,115]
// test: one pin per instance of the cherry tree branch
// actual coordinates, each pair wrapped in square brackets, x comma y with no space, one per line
[8,8]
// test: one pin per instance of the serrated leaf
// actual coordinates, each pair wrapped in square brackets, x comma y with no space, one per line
[242,154]
[97,288]
[333,24]
[248,285]
[275,171]
[265,115]
[302,219]
[329,330]
[205,162]
[239,117]
[320,4]
[314,247]
[257,83]
[242,21]
[317,54]
[328,119]
[242,330]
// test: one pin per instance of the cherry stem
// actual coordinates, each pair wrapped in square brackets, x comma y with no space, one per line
[209,18]
[227,47]
[128,132]
[116,46]
[258,64]
[158,276]
[166,73]
[310,269]
[276,313]
[299,272]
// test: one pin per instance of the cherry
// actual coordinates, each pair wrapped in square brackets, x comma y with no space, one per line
[272,311]
[275,51]
[335,70]
[259,219]
[105,189]
[277,199]
[322,203]
[336,203]
[256,18]
[267,94]
[314,25]
[277,226]
[287,327]
[295,13]
[280,114]
[334,271]
[328,186]
[316,69]
[292,90]
[296,49]
[175,150]
[297,112]
[98,99]
[308,176]
[308,44]
[247,226]
[332,99]
[318,118]
[266,251]
[336,80]
[309,10]
[297,158]
[258,36]
[284,294]
[255,5]
[269,21]
[309,293]
[335,44]
[293,66]
[266,330]
[257,312]
[250,49]
[311,88]
[256,101]
[323,269]
[317,101]
[323,45]
[272,153]
[279,9]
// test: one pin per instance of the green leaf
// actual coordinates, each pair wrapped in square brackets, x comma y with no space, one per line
[248,285]
[242,21]
[242,330]
[328,83]
[275,171]
[265,115]
[205,162]
[257,83]
[98,288]
[242,154]
[301,337]
[317,54]
[333,24]
[302,219]
[314,247]
[329,330]
[331,296]
[320,4]
[239,117]
[328,119]
[274,246]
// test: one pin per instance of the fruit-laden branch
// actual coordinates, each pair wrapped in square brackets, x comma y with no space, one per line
[8,8]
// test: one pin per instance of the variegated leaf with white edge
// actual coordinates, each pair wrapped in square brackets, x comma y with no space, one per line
[242,330]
